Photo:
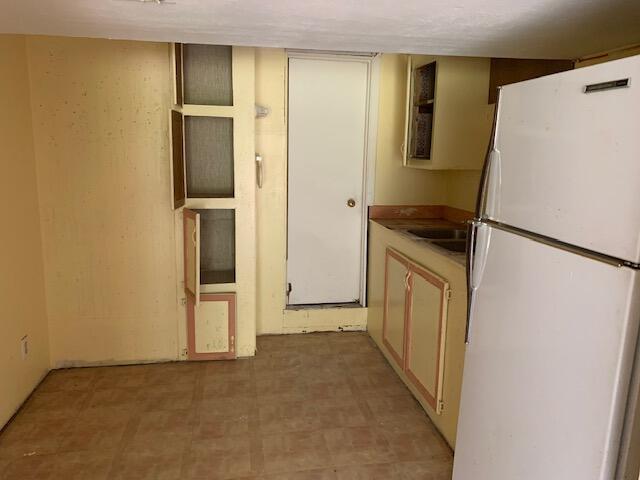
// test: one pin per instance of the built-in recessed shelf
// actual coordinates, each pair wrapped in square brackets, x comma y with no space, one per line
[207,74]
[217,246]
[209,157]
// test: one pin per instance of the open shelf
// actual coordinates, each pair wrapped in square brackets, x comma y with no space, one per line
[209,157]
[207,74]
[217,246]
[421,113]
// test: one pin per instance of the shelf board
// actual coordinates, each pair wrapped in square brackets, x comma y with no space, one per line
[215,277]
[423,103]
[213,203]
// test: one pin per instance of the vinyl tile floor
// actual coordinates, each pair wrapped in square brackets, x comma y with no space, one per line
[323,406]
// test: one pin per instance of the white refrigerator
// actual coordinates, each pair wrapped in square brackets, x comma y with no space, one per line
[550,382]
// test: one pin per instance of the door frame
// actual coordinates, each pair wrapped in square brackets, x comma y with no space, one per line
[372,61]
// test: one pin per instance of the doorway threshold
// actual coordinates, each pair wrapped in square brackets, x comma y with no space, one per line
[323,306]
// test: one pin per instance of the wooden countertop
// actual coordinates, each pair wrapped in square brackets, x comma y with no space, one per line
[401,225]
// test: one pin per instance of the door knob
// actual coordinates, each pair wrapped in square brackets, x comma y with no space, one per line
[351,203]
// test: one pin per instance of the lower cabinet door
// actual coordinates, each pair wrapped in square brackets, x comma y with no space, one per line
[395,302]
[428,296]
[211,327]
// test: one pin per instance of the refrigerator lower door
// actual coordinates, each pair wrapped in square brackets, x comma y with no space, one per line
[566,163]
[548,364]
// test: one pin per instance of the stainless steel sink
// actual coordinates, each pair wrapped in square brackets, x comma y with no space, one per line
[439,233]
[458,246]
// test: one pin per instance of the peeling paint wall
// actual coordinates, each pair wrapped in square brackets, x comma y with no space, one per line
[22,298]
[100,126]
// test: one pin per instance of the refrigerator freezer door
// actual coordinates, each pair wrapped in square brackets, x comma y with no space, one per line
[567,164]
[548,364]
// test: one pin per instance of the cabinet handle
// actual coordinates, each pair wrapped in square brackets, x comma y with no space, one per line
[259,174]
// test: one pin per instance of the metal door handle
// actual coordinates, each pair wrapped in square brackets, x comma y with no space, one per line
[480,239]
[259,175]
[351,203]
[471,245]
[481,201]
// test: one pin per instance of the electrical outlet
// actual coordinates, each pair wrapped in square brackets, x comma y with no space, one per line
[24,346]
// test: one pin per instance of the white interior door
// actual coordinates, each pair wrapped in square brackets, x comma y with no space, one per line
[327,143]
[547,368]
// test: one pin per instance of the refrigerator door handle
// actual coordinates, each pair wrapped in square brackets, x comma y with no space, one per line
[479,240]
[481,200]
[471,236]
[494,181]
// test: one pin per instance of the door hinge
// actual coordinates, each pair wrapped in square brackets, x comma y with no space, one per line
[441,405]
[288,289]
[183,301]
[447,294]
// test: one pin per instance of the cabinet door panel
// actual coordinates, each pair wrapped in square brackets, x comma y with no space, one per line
[211,327]
[192,254]
[395,299]
[426,333]
[177,73]
[177,157]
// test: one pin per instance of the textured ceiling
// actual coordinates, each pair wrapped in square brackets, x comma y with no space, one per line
[501,28]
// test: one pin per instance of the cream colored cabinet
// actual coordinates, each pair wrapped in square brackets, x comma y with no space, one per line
[213,158]
[428,298]
[447,121]
[395,305]
[414,325]
[211,327]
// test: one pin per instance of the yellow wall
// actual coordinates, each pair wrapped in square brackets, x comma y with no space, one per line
[101,143]
[462,189]
[100,132]
[22,298]
[271,201]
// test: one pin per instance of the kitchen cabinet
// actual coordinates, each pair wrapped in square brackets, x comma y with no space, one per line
[414,324]
[427,302]
[447,119]
[417,306]
[395,306]
[211,327]
[213,158]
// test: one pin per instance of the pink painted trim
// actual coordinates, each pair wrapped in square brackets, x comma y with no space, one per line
[230,298]
[398,357]
[430,397]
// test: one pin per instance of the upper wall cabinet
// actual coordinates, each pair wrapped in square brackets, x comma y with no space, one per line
[448,121]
